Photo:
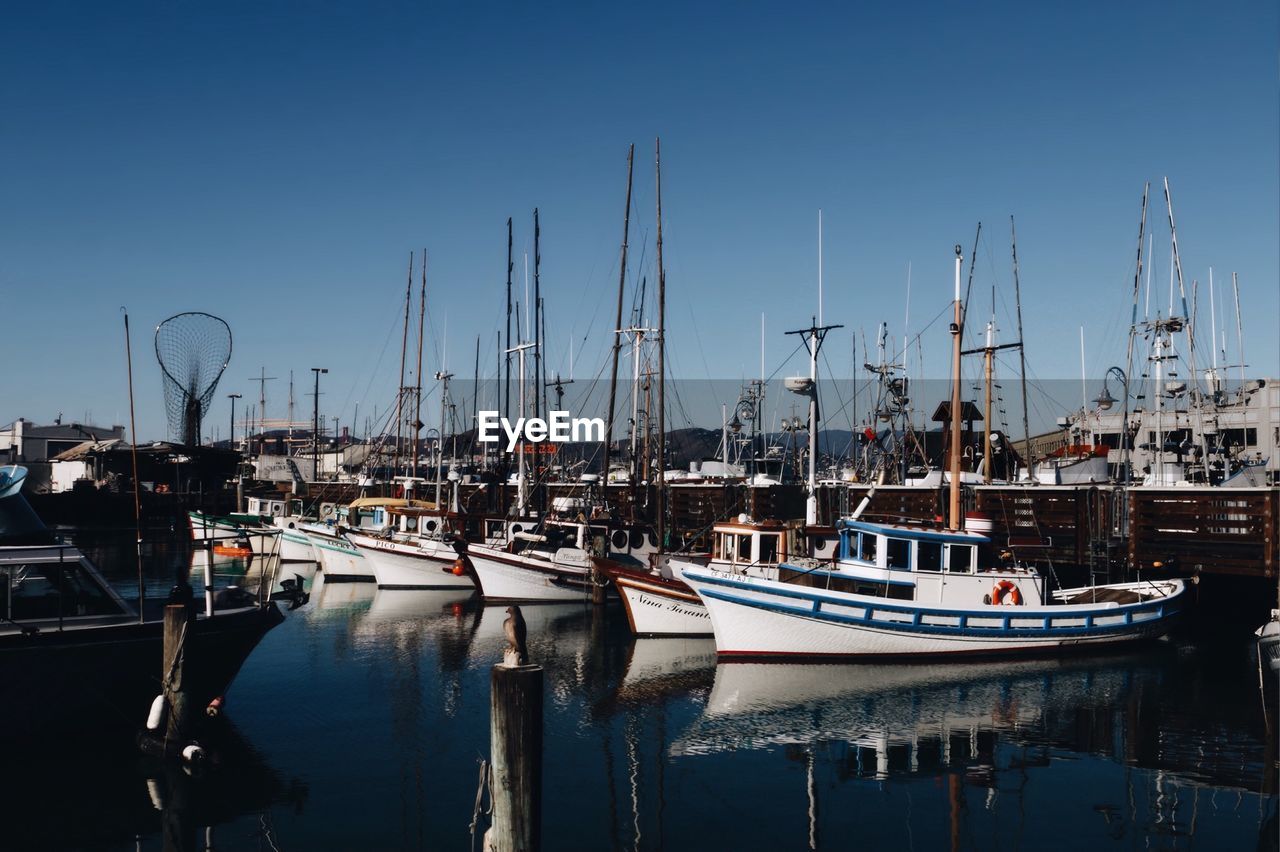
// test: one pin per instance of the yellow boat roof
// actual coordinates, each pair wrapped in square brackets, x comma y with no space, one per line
[389,503]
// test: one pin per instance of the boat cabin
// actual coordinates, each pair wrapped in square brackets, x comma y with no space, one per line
[919,564]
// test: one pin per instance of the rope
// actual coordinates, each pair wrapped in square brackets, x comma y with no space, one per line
[482,785]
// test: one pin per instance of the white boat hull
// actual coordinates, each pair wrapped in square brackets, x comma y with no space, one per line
[753,617]
[657,609]
[340,560]
[503,576]
[400,565]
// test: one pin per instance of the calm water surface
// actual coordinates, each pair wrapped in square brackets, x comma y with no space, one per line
[361,721]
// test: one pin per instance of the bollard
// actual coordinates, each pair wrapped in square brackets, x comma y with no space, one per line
[173,676]
[515,733]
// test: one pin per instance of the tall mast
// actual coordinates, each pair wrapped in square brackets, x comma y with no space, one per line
[1022,354]
[617,325]
[422,333]
[1235,285]
[1189,329]
[813,337]
[1126,440]
[954,520]
[988,357]
[404,347]
[506,404]
[662,360]
[537,316]
[475,403]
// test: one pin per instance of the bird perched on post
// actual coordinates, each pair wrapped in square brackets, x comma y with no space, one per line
[516,633]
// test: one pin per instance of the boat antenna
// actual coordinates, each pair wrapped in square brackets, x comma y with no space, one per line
[617,326]
[137,487]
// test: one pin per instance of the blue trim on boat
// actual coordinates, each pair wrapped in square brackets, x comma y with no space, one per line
[913,534]
[822,572]
[815,611]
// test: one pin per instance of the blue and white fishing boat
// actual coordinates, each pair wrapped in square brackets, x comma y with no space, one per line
[904,591]
[897,590]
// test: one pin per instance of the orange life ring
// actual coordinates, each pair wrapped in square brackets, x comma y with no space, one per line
[1006,587]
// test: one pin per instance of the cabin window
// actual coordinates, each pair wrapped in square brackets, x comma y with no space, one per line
[960,558]
[867,548]
[768,549]
[744,548]
[410,523]
[37,592]
[898,553]
[928,556]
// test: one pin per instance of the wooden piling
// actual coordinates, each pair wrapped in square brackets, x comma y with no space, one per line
[173,677]
[515,733]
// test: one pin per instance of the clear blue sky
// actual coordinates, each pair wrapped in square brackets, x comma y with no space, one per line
[275,163]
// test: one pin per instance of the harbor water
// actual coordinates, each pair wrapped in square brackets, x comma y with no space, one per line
[361,723]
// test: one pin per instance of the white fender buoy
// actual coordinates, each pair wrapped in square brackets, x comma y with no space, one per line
[193,753]
[156,717]
[153,790]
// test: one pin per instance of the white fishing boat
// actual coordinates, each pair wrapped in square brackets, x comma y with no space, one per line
[659,602]
[898,590]
[340,560]
[424,550]
[552,562]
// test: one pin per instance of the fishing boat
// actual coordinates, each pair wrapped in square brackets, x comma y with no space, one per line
[899,590]
[553,561]
[658,602]
[340,560]
[73,649]
[422,550]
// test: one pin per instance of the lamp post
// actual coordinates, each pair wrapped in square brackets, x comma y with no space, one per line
[315,427]
[1105,401]
[231,441]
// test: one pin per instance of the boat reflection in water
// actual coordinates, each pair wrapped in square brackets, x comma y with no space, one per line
[1096,750]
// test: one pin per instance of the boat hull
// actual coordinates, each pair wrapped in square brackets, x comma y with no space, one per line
[340,560]
[656,606]
[753,617]
[503,576]
[82,680]
[398,565]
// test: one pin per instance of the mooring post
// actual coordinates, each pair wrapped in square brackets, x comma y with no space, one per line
[173,676]
[516,745]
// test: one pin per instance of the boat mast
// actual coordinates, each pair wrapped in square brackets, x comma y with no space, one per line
[954,520]
[137,489]
[1126,440]
[1193,398]
[1235,285]
[617,325]
[404,346]
[1022,354]
[417,394]
[662,359]
[537,317]
[506,404]
[988,357]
